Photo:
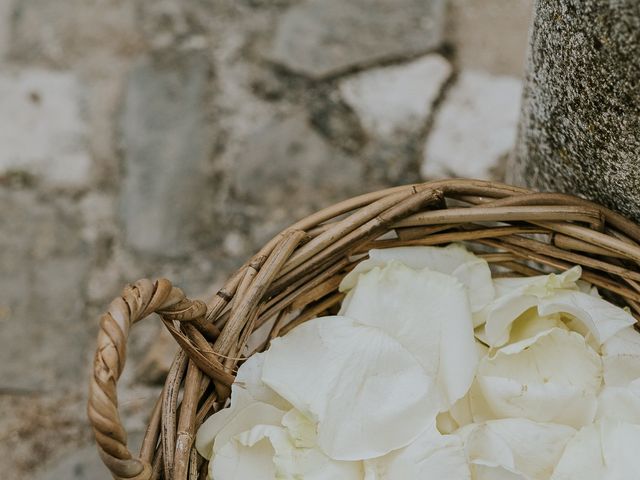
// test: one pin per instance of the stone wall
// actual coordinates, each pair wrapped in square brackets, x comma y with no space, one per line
[166,138]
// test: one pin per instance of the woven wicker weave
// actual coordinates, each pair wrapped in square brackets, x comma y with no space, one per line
[295,278]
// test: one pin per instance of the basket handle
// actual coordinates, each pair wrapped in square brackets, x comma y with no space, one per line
[136,302]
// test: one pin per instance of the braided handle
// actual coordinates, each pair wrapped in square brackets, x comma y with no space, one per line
[136,302]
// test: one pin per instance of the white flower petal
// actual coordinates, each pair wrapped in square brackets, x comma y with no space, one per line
[475,275]
[502,313]
[586,287]
[301,429]
[247,389]
[270,453]
[514,296]
[620,403]
[620,370]
[240,400]
[460,415]
[620,398]
[430,456]
[481,336]
[249,378]
[539,285]
[257,413]
[482,471]
[367,393]
[624,342]
[607,450]
[553,377]
[516,446]
[345,303]
[428,313]
[235,461]
[530,324]
[472,271]
[209,429]
[621,358]
[601,318]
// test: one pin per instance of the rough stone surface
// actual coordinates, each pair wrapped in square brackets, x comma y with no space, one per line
[44,265]
[37,429]
[59,32]
[83,464]
[287,159]
[42,130]
[393,100]
[319,38]
[474,128]
[167,144]
[580,125]
[5,25]
[489,35]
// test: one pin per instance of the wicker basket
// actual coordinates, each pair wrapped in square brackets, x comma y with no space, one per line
[295,278]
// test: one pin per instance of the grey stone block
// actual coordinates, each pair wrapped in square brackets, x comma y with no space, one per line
[167,144]
[320,38]
[44,266]
[288,165]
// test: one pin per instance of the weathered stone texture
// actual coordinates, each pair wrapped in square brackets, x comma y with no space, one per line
[59,31]
[397,99]
[489,35]
[82,464]
[288,160]
[42,129]
[474,128]
[580,125]
[5,25]
[44,265]
[319,38]
[167,143]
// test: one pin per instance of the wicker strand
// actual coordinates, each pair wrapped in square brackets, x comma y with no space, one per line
[137,302]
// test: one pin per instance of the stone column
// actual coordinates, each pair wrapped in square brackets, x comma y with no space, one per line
[580,122]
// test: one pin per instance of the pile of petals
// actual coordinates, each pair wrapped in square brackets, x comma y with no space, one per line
[435,370]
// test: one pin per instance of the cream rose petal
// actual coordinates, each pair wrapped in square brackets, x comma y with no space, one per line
[624,342]
[621,358]
[431,455]
[257,413]
[484,471]
[268,452]
[247,389]
[459,415]
[607,450]
[517,446]
[599,317]
[368,394]
[620,397]
[530,324]
[428,313]
[552,377]
[235,461]
[514,296]
[249,378]
[215,423]
[620,403]
[472,271]
[539,285]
